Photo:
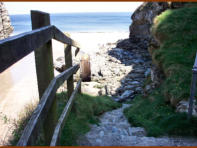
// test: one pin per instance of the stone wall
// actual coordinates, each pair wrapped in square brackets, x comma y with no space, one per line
[5,25]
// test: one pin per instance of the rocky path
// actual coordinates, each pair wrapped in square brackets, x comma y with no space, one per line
[120,74]
[114,130]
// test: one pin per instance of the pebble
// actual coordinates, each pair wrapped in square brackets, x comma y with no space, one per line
[122,70]
[125,71]
[126,135]
[101,134]
[135,83]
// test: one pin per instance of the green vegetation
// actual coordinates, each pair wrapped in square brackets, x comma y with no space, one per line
[158,118]
[20,124]
[85,111]
[176,31]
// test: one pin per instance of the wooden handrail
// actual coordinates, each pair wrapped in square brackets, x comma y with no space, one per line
[60,36]
[64,116]
[14,48]
[29,134]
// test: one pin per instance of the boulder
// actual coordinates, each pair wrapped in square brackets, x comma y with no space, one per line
[59,64]
[142,18]
[183,106]
[125,44]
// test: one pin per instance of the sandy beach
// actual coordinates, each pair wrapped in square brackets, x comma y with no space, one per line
[19,85]
[89,42]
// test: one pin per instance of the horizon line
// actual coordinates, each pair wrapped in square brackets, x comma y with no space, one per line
[76,12]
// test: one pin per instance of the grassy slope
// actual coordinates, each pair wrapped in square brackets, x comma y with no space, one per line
[85,111]
[177,33]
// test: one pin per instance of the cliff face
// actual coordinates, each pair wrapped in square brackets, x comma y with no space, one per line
[142,18]
[5,25]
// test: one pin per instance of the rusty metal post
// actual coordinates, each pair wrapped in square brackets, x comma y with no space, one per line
[85,68]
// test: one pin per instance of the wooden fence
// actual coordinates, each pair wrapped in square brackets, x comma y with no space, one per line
[39,40]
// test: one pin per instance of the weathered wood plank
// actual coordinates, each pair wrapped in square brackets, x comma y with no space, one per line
[44,71]
[40,19]
[64,115]
[68,62]
[15,48]
[77,51]
[39,115]
[58,35]
[43,54]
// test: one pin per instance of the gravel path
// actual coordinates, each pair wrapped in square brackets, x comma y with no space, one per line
[114,130]
[120,74]
[123,73]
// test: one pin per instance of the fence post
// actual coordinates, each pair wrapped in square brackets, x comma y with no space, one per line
[79,91]
[68,64]
[44,70]
[85,70]
[192,92]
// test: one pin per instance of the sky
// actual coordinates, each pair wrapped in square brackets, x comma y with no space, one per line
[60,7]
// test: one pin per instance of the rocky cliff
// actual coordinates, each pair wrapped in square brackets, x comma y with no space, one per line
[5,25]
[142,20]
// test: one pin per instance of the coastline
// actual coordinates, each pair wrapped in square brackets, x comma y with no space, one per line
[22,83]
[89,41]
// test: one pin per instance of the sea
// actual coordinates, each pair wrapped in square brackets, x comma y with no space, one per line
[78,22]
[19,82]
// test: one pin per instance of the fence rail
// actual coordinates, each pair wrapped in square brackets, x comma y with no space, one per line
[29,134]
[15,48]
[39,40]
[64,116]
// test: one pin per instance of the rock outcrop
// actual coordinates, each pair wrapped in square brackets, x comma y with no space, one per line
[115,72]
[142,18]
[5,25]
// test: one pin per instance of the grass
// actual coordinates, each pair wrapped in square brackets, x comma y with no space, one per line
[176,30]
[20,124]
[85,112]
[159,118]
[177,33]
